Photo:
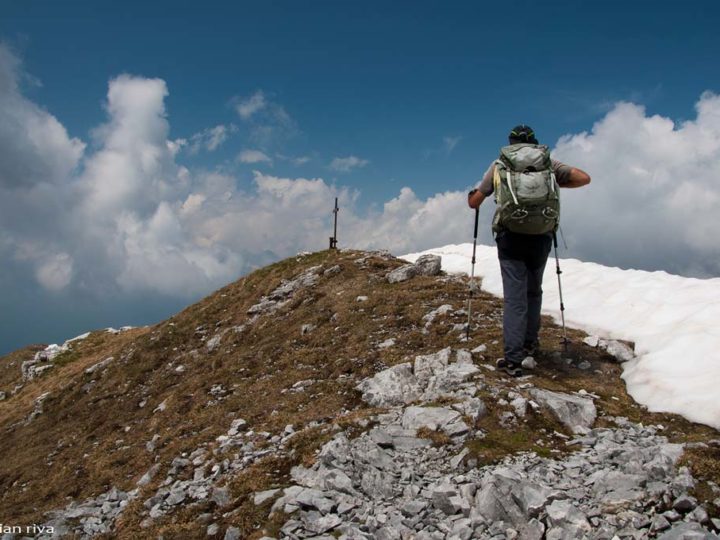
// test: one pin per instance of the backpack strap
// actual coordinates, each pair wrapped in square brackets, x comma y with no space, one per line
[510,186]
[496,179]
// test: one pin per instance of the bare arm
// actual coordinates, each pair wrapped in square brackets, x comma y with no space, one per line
[576,178]
[475,198]
[484,189]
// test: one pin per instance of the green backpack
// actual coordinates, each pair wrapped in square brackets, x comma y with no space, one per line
[526,192]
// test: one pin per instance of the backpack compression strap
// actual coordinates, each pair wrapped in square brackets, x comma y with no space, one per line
[497,181]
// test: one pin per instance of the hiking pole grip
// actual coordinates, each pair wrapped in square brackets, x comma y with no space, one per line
[477,218]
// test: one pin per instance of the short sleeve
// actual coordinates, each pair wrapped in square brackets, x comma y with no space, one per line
[562,172]
[486,186]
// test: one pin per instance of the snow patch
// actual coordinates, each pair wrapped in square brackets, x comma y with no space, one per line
[671,319]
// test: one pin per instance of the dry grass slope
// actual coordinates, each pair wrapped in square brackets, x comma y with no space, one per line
[93,430]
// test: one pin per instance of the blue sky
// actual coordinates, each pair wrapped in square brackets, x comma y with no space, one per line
[385,81]
[420,94]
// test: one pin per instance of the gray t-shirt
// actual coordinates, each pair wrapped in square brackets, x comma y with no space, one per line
[562,175]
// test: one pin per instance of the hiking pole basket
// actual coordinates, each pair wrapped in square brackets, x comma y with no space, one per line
[472,276]
[562,304]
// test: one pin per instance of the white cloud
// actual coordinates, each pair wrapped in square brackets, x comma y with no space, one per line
[347,164]
[119,224]
[654,196]
[134,221]
[210,139]
[176,145]
[134,169]
[450,143]
[301,160]
[253,156]
[445,149]
[407,223]
[34,147]
[268,122]
[247,107]
[55,272]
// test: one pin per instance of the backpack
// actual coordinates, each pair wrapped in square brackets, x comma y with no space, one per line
[526,192]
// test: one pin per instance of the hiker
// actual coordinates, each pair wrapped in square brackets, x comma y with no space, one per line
[524,180]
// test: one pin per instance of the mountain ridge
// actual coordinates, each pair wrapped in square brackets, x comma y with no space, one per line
[277,358]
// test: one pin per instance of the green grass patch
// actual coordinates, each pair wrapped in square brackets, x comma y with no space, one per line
[498,444]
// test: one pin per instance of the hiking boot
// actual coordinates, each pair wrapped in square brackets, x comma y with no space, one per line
[532,349]
[511,368]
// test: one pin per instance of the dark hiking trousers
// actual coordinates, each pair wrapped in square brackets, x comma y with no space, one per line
[522,263]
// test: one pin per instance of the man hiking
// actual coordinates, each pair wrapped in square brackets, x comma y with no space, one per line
[524,180]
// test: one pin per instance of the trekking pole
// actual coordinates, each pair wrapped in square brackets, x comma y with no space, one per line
[562,236]
[472,275]
[562,304]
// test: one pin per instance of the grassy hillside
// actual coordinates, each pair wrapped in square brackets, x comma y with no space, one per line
[180,384]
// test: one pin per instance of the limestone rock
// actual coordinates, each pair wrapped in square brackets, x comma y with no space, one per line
[567,521]
[430,317]
[262,496]
[574,412]
[393,386]
[99,366]
[430,364]
[529,363]
[434,418]
[403,273]
[413,507]
[442,497]
[428,265]
[687,531]
[474,408]
[282,294]
[620,351]
[221,496]
[507,496]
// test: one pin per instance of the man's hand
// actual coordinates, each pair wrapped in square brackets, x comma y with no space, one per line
[475,198]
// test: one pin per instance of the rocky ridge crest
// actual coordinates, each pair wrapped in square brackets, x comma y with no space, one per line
[334,395]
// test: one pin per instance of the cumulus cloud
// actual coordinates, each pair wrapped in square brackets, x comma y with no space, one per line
[112,221]
[253,156]
[654,195]
[34,147]
[347,164]
[127,219]
[407,223]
